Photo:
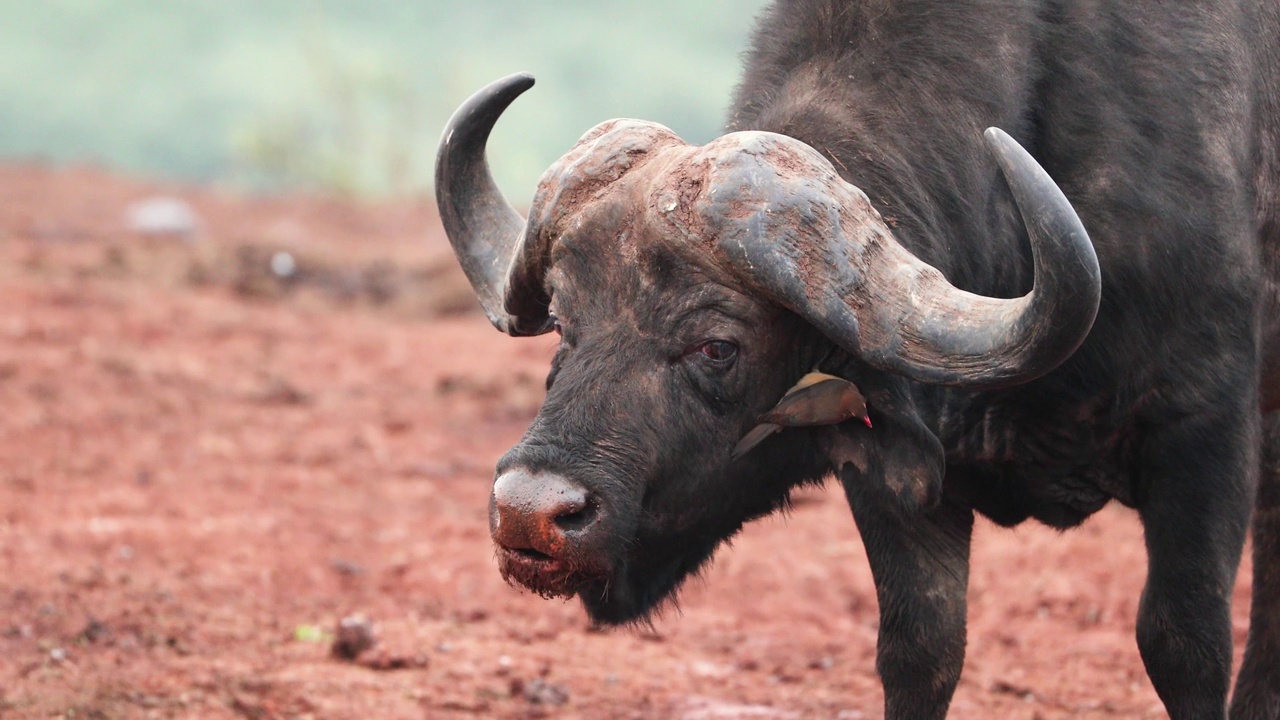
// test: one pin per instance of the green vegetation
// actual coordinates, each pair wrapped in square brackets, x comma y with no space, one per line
[347,95]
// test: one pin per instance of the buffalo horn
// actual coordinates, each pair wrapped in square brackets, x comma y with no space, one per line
[486,232]
[790,226]
[953,337]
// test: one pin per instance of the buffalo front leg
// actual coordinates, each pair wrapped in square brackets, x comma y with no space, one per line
[1197,482]
[921,567]
[1257,694]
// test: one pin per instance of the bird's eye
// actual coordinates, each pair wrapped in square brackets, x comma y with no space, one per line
[718,352]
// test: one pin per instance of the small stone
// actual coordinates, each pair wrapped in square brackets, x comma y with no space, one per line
[354,636]
[823,663]
[702,668]
[346,567]
[163,216]
[283,265]
[94,631]
[541,692]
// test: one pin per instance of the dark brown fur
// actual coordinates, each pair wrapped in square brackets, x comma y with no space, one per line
[1161,123]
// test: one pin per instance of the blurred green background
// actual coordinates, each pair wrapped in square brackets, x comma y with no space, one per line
[347,96]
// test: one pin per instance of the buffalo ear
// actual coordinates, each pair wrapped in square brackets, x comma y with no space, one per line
[898,456]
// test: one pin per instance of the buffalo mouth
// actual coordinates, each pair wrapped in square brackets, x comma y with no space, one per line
[628,592]
[545,575]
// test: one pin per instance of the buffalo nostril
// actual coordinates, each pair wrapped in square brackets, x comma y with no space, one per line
[576,518]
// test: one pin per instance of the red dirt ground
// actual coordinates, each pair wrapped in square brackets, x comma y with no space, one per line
[204,470]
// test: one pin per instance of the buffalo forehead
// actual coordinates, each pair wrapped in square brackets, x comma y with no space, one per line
[653,288]
[633,234]
[602,160]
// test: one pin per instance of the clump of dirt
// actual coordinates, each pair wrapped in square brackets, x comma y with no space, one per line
[354,636]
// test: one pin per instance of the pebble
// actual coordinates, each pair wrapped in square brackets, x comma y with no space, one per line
[163,216]
[540,692]
[355,635]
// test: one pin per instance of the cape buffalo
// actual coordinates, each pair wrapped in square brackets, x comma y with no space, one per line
[853,241]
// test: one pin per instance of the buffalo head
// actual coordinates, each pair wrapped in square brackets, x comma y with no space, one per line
[692,287]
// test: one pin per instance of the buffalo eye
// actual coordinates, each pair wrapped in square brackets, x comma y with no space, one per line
[719,353]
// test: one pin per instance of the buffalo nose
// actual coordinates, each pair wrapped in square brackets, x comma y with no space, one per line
[539,515]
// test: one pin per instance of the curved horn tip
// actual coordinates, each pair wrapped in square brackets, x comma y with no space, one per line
[994,134]
[1005,147]
[1032,185]
[1066,263]
[515,83]
[492,99]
